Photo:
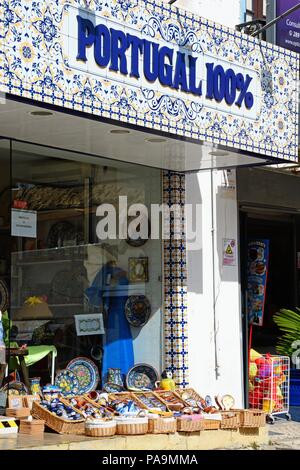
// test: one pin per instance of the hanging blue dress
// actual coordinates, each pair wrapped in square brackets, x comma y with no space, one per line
[118,344]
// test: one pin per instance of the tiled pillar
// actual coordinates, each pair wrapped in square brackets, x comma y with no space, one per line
[175,286]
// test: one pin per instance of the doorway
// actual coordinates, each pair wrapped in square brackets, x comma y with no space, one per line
[281,286]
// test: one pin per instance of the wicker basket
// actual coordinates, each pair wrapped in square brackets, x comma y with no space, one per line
[159,425]
[131,426]
[253,418]
[210,424]
[231,419]
[188,424]
[98,428]
[60,425]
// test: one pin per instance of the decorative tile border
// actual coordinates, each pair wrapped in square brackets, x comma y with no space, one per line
[34,63]
[175,287]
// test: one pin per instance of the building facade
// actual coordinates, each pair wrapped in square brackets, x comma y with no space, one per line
[143,100]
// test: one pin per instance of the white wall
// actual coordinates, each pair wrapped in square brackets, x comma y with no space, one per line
[226,12]
[202,351]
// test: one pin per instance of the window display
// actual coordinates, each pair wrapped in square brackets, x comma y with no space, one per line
[74,296]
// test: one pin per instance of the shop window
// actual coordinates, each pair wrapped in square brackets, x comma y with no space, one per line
[91,297]
[256,10]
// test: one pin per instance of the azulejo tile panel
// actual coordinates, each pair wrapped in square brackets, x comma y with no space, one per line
[38,43]
[175,286]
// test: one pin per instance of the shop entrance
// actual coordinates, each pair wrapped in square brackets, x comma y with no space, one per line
[281,285]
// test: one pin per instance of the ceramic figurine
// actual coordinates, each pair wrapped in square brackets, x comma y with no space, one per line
[167,382]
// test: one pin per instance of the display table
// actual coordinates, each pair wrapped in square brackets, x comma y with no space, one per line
[26,357]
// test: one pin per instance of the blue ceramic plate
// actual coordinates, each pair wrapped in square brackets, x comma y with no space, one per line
[67,381]
[137,310]
[86,372]
[141,377]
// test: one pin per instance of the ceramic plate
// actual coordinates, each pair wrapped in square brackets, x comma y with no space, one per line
[142,377]
[3,296]
[86,372]
[67,381]
[137,310]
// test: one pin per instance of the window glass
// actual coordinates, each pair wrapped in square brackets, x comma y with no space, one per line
[72,288]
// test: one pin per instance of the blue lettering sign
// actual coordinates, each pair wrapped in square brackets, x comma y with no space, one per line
[125,53]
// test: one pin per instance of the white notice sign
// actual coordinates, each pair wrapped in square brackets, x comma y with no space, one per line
[23,223]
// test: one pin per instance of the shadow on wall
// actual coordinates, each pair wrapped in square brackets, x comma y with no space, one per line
[195,249]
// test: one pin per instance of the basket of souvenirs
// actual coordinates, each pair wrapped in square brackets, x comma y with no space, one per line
[211,422]
[88,408]
[191,397]
[189,423]
[252,418]
[125,403]
[230,419]
[62,418]
[161,425]
[152,403]
[171,400]
[100,427]
[131,425]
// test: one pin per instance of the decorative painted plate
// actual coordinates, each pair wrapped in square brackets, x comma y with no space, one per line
[137,310]
[141,377]
[86,372]
[3,296]
[67,381]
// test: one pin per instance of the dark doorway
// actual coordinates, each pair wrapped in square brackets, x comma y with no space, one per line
[281,291]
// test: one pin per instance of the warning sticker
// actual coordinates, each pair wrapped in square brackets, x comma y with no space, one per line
[229,252]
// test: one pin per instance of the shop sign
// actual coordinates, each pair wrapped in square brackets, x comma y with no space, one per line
[23,223]
[229,252]
[288,29]
[258,260]
[134,57]
[154,66]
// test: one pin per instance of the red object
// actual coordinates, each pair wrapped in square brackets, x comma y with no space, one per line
[17,204]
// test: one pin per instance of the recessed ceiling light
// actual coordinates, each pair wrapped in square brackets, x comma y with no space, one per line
[218,153]
[119,131]
[41,113]
[156,140]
